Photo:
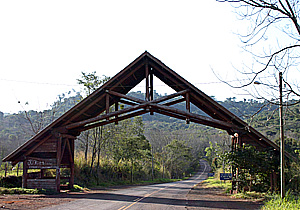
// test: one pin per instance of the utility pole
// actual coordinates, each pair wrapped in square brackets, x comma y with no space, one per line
[282,179]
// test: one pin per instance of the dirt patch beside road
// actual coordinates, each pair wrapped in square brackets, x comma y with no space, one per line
[203,197]
[29,202]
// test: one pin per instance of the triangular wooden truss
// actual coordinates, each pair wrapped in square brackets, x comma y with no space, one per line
[96,110]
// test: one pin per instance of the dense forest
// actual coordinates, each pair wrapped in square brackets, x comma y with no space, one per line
[150,146]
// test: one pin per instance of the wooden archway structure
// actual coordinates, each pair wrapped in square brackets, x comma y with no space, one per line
[53,147]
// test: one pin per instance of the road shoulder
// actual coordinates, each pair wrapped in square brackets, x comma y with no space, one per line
[204,197]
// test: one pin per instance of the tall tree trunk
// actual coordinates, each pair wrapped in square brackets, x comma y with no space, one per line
[86,145]
[99,147]
[131,170]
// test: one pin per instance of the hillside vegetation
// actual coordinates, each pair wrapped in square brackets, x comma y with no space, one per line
[145,147]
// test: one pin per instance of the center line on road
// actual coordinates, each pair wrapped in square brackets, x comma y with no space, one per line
[145,196]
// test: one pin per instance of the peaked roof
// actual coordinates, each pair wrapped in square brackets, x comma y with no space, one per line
[95,104]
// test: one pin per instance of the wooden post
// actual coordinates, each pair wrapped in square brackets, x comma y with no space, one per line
[151,88]
[25,176]
[147,81]
[188,107]
[18,168]
[71,141]
[58,158]
[5,170]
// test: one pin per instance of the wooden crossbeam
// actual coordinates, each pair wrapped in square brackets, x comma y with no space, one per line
[111,114]
[143,104]
[200,119]
[174,102]
[120,95]
[124,117]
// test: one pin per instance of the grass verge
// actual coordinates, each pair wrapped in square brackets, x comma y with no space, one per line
[290,202]
[211,182]
[127,183]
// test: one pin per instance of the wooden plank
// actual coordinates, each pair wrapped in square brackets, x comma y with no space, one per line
[48,146]
[37,145]
[41,184]
[40,163]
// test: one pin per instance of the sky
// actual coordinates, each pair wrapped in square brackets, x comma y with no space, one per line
[45,45]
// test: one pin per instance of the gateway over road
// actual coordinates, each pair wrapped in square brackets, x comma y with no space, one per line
[53,147]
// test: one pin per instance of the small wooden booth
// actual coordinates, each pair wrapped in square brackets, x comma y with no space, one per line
[47,164]
[48,157]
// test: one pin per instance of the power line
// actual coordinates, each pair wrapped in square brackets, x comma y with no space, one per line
[60,84]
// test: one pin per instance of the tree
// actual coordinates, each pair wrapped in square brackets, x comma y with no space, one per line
[178,158]
[91,82]
[274,23]
[254,167]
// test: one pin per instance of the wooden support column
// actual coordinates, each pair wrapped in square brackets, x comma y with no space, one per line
[188,107]
[71,143]
[147,81]
[151,89]
[58,158]
[25,175]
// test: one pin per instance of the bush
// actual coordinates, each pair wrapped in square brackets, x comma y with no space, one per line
[11,181]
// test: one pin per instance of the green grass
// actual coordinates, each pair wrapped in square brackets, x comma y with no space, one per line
[258,196]
[215,182]
[125,183]
[4,190]
[290,202]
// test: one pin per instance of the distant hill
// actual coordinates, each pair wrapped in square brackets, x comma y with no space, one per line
[15,129]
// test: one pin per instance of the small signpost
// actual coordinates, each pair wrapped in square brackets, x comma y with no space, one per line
[211,174]
[225,176]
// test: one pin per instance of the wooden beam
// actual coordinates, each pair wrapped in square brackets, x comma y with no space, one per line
[107,105]
[188,108]
[127,102]
[128,109]
[174,102]
[86,107]
[111,114]
[147,81]
[204,120]
[120,95]
[124,117]
[63,149]
[151,85]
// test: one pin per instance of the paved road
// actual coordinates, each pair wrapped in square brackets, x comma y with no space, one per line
[159,196]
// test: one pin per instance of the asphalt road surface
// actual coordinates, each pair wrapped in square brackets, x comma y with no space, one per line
[159,196]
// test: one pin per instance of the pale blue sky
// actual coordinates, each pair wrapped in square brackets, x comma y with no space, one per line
[45,45]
